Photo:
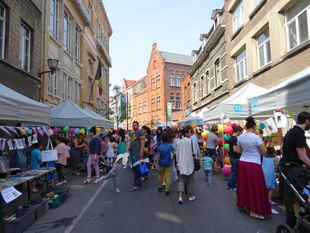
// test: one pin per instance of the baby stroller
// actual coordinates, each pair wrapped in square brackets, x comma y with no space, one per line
[105,164]
[302,222]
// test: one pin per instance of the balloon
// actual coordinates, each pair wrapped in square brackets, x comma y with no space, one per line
[220,128]
[261,126]
[106,130]
[98,130]
[66,129]
[29,132]
[226,121]
[226,137]
[55,131]
[226,170]
[77,131]
[227,160]
[194,126]
[207,132]
[24,132]
[71,131]
[228,130]
[203,135]
[226,147]
[205,144]
[82,131]
[225,153]
[220,141]
[88,129]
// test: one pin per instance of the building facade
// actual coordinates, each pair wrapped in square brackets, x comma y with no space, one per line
[161,85]
[209,78]
[20,46]
[76,33]
[264,43]
[186,90]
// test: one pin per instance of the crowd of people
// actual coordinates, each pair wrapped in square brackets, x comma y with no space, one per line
[173,153]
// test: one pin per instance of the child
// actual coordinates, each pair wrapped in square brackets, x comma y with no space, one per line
[112,145]
[121,158]
[207,165]
[36,161]
[165,163]
[269,171]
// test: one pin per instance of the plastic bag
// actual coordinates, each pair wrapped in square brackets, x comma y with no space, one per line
[144,170]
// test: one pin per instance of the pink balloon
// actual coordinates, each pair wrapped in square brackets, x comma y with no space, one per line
[71,131]
[228,130]
[226,170]
[226,121]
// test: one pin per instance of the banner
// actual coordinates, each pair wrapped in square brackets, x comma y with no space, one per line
[169,111]
[122,105]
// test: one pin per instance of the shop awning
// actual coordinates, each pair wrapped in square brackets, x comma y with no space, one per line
[236,106]
[69,114]
[16,107]
[292,94]
[105,123]
[167,124]
[192,119]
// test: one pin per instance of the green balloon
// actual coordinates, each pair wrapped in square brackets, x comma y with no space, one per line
[226,147]
[66,129]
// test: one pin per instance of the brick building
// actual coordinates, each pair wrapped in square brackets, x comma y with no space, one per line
[161,85]
[77,34]
[266,42]
[20,46]
[186,90]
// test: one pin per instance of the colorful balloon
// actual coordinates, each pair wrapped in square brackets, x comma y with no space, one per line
[227,160]
[226,170]
[226,121]
[207,132]
[226,147]
[220,141]
[220,128]
[204,144]
[71,131]
[77,131]
[98,130]
[82,131]
[261,126]
[88,129]
[226,137]
[203,135]
[228,130]
[66,129]
[226,153]
[30,131]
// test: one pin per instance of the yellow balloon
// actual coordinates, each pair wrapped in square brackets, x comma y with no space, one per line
[205,144]
[203,135]
[98,130]
[220,128]
[106,130]
[82,131]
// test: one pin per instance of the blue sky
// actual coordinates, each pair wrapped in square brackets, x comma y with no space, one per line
[175,25]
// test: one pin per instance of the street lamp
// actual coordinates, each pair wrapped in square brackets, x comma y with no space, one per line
[52,65]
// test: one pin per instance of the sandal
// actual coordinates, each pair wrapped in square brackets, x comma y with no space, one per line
[87,181]
[133,189]
[256,216]
[97,181]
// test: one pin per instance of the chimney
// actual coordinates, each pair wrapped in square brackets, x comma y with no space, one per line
[154,45]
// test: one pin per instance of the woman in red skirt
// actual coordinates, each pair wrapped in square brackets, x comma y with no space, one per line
[251,189]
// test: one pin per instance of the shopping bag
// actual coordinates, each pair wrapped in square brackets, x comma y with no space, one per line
[49,154]
[144,170]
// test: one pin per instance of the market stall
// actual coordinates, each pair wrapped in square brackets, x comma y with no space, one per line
[68,113]
[167,124]
[291,94]
[192,119]
[17,108]
[236,106]
[105,123]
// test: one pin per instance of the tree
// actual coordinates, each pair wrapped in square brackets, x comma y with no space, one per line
[114,103]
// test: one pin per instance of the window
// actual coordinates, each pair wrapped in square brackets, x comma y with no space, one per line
[2,30]
[218,73]
[196,91]
[178,102]
[153,83]
[90,87]
[53,82]
[54,16]
[241,63]
[183,74]
[238,16]
[144,107]
[158,102]
[202,86]
[207,86]
[157,81]
[99,30]
[263,48]
[297,23]
[177,78]
[140,107]
[77,45]
[172,101]
[65,87]
[77,92]
[153,104]
[24,51]
[171,78]
[67,37]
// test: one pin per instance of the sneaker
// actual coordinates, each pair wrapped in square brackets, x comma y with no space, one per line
[192,198]
[117,190]
[64,181]
[232,189]
[58,184]
[180,201]
[272,202]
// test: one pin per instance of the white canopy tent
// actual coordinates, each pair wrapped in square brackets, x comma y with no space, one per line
[16,107]
[236,106]
[69,114]
[192,119]
[292,94]
[104,122]
[167,124]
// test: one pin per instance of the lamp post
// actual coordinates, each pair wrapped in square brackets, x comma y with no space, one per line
[52,65]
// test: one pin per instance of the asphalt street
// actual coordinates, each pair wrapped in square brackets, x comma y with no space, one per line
[97,208]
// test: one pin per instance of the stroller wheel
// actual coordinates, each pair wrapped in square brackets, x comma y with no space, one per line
[284,229]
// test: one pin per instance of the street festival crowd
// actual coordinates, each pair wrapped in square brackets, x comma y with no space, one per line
[177,153]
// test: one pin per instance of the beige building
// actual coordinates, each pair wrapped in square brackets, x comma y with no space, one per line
[76,32]
[266,42]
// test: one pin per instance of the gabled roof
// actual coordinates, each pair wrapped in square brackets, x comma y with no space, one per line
[176,58]
[129,83]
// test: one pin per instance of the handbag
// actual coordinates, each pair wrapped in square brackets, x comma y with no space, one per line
[196,161]
[49,154]
[144,170]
